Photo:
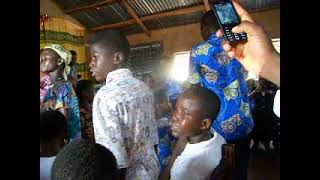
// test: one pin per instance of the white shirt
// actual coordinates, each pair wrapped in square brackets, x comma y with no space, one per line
[197,161]
[124,122]
[45,167]
[276,104]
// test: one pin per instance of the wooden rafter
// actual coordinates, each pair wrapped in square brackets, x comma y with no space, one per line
[135,17]
[183,11]
[206,5]
[91,6]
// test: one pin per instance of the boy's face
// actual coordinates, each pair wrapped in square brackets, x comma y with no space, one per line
[101,62]
[186,118]
[164,106]
[150,82]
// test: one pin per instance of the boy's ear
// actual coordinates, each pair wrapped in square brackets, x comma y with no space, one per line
[205,124]
[118,58]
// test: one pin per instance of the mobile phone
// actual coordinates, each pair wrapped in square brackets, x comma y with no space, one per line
[228,18]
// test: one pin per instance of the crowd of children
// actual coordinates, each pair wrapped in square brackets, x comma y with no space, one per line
[128,130]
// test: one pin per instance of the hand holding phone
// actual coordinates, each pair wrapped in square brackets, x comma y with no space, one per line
[257,55]
[228,18]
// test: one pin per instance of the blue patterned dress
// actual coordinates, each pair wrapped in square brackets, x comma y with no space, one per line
[166,140]
[212,67]
[62,95]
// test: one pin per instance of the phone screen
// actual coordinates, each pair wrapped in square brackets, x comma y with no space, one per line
[226,13]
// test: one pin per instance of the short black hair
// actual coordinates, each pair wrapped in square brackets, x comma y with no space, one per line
[83,85]
[209,24]
[73,52]
[113,40]
[146,75]
[160,96]
[209,102]
[82,160]
[52,125]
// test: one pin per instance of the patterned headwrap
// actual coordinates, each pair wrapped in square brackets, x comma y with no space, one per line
[65,56]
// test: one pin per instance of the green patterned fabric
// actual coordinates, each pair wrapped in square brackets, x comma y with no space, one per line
[61,37]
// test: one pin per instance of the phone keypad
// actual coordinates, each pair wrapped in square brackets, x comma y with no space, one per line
[235,37]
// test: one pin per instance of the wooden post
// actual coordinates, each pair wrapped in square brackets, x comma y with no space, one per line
[206,5]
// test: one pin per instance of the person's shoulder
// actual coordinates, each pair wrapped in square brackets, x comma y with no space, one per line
[139,86]
[203,49]
[104,91]
[200,44]
[217,140]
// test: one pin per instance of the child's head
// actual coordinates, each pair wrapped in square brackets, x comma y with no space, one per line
[55,58]
[53,129]
[80,160]
[149,80]
[74,57]
[162,104]
[85,91]
[194,112]
[109,49]
[209,25]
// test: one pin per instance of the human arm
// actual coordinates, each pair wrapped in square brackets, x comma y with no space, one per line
[179,147]
[257,55]
[108,131]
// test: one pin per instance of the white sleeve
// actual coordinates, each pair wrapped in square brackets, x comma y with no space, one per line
[276,104]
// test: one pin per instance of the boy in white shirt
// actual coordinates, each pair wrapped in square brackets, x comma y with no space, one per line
[53,131]
[200,150]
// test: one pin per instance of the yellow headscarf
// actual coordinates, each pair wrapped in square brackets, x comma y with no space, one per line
[65,56]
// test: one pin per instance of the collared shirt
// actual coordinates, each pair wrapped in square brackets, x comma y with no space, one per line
[45,167]
[197,161]
[124,122]
[211,66]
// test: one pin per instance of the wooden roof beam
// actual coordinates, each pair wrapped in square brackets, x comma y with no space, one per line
[207,5]
[91,6]
[135,17]
[183,11]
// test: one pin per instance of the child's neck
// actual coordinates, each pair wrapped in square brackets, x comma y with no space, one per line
[200,137]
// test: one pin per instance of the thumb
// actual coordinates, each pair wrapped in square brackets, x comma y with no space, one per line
[252,29]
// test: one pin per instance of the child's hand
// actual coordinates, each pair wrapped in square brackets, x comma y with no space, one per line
[180,145]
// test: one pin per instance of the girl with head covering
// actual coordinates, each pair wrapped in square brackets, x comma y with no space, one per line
[59,93]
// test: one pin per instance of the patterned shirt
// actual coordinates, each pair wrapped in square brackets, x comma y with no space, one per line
[45,81]
[62,95]
[212,67]
[166,140]
[124,122]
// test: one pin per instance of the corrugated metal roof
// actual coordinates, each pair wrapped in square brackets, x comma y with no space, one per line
[105,15]
[115,13]
[148,7]
[161,23]
[71,4]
